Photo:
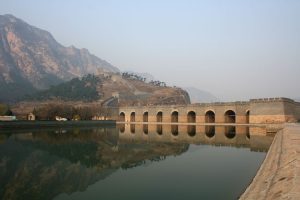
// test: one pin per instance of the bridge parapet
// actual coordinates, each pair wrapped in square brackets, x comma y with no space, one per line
[222,103]
[276,99]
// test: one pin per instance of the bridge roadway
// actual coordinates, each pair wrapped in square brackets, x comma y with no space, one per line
[279,175]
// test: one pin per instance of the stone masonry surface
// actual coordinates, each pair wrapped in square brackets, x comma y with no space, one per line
[279,175]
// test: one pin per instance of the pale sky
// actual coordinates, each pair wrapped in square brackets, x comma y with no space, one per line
[234,49]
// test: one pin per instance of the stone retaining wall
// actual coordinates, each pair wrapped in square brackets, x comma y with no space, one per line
[279,175]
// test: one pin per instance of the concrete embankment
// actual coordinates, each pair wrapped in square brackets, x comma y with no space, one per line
[50,124]
[279,175]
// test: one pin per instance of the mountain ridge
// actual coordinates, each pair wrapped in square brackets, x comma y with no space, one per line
[31,59]
[33,64]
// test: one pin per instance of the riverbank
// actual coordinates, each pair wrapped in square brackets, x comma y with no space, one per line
[279,175]
[53,124]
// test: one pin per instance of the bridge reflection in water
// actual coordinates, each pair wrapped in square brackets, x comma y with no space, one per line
[62,162]
[256,138]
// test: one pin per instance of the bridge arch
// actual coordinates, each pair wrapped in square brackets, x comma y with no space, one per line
[174,117]
[210,117]
[229,116]
[122,117]
[191,117]
[159,116]
[248,116]
[132,117]
[145,116]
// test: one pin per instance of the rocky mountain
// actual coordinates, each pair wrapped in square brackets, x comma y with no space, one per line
[200,96]
[31,59]
[33,63]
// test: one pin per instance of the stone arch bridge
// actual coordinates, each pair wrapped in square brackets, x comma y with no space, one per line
[267,110]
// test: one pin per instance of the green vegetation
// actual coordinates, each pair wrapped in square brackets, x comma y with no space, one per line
[84,89]
[49,112]
[4,110]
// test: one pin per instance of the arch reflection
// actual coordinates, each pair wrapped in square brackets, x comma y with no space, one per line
[122,128]
[193,134]
[159,129]
[132,128]
[145,128]
[210,131]
[174,130]
[230,132]
[191,130]
[248,132]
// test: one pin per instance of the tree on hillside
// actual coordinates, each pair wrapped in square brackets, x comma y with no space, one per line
[5,110]
[84,89]
[50,111]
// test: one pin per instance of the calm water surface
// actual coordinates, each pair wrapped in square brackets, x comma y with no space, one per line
[130,162]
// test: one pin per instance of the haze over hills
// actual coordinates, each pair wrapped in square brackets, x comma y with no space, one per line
[200,96]
[147,76]
[196,95]
[30,59]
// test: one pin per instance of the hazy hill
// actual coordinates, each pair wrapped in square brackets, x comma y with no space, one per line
[30,59]
[200,96]
[129,90]
[297,99]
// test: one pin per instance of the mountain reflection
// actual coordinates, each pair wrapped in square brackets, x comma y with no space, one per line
[41,164]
